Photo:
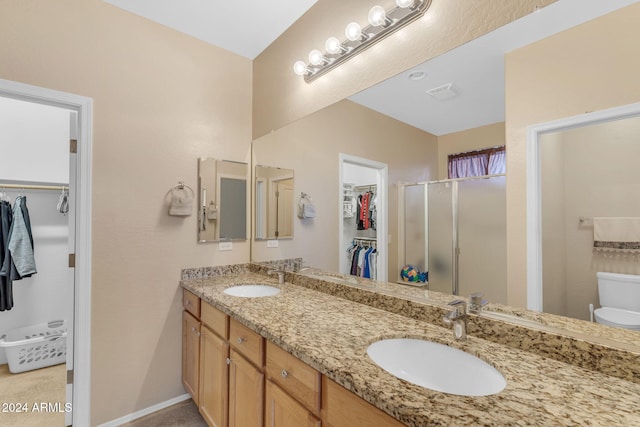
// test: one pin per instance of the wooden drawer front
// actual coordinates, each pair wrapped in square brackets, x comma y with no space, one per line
[341,408]
[247,342]
[191,303]
[294,376]
[216,320]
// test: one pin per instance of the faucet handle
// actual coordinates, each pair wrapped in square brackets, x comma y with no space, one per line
[459,305]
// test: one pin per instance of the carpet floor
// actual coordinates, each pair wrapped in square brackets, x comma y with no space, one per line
[33,398]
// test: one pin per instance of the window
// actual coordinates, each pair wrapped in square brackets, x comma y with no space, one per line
[490,161]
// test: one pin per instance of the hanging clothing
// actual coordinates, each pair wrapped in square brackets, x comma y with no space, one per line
[366,211]
[6,285]
[363,258]
[21,239]
[16,248]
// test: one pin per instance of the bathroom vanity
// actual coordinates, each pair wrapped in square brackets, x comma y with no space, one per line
[303,353]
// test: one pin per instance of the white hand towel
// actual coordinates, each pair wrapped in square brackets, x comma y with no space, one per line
[616,234]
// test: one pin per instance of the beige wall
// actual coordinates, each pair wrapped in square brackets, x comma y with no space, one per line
[599,175]
[161,100]
[591,67]
[467,140]
[311,147]
[281,97]
[554,226]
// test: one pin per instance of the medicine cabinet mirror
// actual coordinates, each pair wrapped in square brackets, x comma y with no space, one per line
[222,200]
[273,203]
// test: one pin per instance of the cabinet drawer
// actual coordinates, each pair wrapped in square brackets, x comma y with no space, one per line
[294,376]
[341,408]
[216,320]
[246,342]
[191,303]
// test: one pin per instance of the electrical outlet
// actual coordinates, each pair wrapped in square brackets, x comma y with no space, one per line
[272,243]
[225,246]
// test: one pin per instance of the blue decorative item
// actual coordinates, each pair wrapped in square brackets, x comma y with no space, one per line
[409,273]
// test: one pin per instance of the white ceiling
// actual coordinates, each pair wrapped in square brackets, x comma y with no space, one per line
[245,27]
[477,71]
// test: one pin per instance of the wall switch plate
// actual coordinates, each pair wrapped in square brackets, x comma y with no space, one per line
[225,246]
[272,243]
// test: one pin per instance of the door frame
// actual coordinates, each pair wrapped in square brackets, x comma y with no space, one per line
[382,208]
[80,376]
[534,187]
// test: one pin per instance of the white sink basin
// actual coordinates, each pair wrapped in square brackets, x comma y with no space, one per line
[252,291]
[437,367]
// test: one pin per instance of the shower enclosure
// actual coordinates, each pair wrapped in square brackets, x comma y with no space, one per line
[456,231]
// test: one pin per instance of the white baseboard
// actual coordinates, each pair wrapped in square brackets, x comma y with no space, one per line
[141,413]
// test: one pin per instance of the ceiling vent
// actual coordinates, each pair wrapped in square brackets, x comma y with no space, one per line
[443,92]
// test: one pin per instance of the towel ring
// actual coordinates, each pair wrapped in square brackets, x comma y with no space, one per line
[181,186]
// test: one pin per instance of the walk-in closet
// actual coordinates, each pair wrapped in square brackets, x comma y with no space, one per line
[36,289]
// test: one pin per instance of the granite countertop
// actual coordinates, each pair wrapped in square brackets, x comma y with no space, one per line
[332,334]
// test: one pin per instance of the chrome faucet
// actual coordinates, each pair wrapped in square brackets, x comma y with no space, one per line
[279,272]
[457,319]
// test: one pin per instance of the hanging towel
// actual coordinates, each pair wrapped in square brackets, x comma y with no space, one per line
[21,239]
[306,208]
[181,201]
[616,234]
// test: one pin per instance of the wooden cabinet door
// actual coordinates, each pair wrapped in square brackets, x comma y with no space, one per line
[214,379]
[190,354]
[284,411]
[246,393]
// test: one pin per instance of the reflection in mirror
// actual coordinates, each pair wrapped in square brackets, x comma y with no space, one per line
[586,199]
[273,203]
[373,124]
[222,200]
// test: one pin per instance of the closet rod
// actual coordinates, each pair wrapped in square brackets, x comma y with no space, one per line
[33,187]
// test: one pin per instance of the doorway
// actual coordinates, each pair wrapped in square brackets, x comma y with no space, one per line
[535,231]
[363,208]
[75,243]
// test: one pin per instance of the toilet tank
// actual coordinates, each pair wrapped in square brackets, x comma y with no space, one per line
[619,290]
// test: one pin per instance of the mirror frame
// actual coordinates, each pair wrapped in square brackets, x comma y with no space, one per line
[217,196]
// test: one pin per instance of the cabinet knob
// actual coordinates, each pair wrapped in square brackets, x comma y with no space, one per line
[198,334]
[193,329]
[188,302]
[228,361]
[241,340]
[284,373]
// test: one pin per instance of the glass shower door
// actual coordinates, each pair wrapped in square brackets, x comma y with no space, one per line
[415,223]
[441,236]
[482,238]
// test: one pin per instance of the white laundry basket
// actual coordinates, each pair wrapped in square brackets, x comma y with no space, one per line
[36,346]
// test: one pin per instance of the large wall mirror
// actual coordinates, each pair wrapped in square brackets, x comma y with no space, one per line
[274,199]
[383,124]
[222,200]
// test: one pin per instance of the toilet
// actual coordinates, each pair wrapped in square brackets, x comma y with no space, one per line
[620,300]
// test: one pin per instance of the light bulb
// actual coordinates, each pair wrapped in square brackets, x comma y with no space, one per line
[300,68]
[315,57]
[377,16]
[333,45]
[404,3]
[353,31]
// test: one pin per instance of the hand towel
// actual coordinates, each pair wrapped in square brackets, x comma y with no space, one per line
[621,234]
[181,202]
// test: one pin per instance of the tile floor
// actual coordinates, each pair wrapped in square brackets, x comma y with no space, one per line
[183,414]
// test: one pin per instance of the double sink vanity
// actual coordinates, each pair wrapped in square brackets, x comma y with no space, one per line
[316,351]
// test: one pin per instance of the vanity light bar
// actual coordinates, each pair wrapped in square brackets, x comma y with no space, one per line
[381,24]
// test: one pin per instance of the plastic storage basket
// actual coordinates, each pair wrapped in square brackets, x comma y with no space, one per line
[37,346]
